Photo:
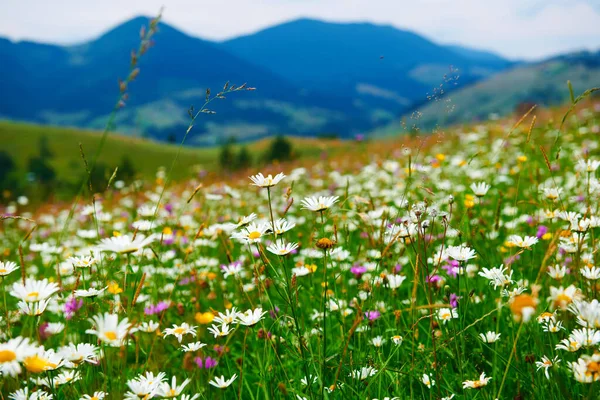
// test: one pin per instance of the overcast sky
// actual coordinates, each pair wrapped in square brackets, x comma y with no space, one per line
[524,29]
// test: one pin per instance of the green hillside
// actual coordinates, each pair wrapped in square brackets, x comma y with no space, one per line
[544,84]
[21,141]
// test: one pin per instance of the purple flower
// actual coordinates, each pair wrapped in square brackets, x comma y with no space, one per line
[358,270]
[198,361]
[542,230]
[210,363]
[454,300]
[157,309]
[43,334]
[398,268]
[71,306]
[273,313]
[372,315]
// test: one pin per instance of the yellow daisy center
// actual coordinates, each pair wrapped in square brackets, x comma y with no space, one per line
[110,335]
[254,235]
[179,331]
[7,356]
[33,294]
[37,364]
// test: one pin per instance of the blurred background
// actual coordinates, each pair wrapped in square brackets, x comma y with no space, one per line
[341,69]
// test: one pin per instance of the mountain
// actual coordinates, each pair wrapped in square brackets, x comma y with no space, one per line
[480,55]
[77,86]
[543,83]
[382,68]
[312,77]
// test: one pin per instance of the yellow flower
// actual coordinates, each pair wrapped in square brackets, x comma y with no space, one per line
[204,318]
[113,287]
[547,236]
[37,364]
[440,156]
[167,231]
[116,233]
[522,159]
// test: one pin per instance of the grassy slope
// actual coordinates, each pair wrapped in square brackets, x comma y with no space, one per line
[542,84]
[21,141]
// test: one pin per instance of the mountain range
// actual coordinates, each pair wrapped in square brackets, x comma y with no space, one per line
[311,78]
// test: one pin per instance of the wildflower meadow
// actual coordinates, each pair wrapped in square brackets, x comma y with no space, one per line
[456,267]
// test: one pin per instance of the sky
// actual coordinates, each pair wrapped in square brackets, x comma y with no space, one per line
[517,29]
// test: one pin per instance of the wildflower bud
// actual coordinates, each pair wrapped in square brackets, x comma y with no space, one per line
[282,388]
[450,199]
[325,243]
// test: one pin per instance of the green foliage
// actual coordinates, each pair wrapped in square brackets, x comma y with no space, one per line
[243,159]
[126,170]
[279,150]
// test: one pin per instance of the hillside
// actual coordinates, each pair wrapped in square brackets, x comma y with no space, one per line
[382,68]
[543,83]
[360,77]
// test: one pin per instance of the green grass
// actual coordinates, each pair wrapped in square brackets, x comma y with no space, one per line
[21,141]
[315,322]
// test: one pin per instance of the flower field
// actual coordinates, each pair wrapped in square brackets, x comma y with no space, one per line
[464,266]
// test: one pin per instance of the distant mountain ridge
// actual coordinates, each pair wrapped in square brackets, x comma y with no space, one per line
[312,77]
[542,83]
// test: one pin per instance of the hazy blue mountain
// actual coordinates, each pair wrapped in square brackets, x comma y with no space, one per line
[311,77]
[543,83]
[482,56]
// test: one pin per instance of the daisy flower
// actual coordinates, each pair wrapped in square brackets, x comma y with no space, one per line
[266,181]
[281,226]
[125,244]
[148,326]
[42,361]
[363,373]
[251,317]
[91,292]
[446,314]
[585,369]
[76,354]
[460,253]
[95,396]
[478,383]
[82,262]
[497,276]
[24,394]
[319,204]
[230,316]
[221,382]
[219,331]
[252,233]
[522,242]
[480,189]
[7,267]
[12,354]
[109,329]
[179,331]
[546,364]
[33,290]
[489,337]
[171,390]
[281,247]
[427,381]
[33,309]
[191,347]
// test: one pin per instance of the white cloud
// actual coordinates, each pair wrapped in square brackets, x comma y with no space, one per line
[515,28]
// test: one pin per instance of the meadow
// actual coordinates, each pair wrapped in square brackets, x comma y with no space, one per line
[461,265]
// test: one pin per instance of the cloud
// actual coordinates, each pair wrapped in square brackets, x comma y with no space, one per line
[516,28]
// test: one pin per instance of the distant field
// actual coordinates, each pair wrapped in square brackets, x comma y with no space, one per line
[21,141]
